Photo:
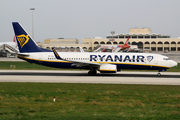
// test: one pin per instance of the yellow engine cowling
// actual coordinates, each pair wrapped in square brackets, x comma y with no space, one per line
[108,68]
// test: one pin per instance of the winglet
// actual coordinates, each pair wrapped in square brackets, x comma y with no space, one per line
[56,54]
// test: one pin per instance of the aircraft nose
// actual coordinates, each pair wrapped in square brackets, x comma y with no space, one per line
[173,63]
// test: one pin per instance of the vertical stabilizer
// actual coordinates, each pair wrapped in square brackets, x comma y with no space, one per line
[126,43]
[24,41]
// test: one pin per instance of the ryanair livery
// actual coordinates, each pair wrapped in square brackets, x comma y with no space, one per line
[102,62]
[22,39]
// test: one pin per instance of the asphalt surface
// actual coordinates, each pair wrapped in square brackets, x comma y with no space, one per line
[46,76]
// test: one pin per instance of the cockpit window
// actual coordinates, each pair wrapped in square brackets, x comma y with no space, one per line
[166,58]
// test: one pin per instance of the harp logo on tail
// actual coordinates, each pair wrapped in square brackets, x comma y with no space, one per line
[22,39]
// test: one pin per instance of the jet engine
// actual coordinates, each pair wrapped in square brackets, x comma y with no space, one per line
[108,68]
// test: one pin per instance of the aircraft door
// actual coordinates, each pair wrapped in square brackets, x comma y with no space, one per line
[40,58]
[169,62]
[156,61]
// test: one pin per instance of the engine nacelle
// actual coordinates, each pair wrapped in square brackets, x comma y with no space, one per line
[108,68]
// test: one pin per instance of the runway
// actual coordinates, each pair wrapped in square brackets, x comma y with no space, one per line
[53,76]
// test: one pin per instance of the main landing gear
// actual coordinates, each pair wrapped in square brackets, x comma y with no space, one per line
[92,72]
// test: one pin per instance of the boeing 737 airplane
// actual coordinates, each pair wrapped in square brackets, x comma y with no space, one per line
[102,62]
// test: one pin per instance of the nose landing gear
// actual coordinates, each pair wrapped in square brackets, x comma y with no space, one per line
[159,74]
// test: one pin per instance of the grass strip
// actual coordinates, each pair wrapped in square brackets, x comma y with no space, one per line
[31,101]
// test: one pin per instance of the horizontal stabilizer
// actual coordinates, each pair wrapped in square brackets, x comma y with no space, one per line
[23,55]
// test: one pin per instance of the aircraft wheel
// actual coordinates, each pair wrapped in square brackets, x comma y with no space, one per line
[159,74]
[94,72]
[91,73]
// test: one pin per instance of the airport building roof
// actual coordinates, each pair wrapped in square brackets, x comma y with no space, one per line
[138,33]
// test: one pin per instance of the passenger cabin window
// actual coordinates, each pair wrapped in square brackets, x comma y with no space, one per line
[166,58]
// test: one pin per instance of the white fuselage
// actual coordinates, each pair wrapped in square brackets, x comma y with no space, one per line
[122,60]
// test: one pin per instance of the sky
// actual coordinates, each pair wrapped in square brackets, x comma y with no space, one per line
[78,19]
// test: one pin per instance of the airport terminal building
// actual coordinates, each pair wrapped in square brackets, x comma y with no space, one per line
[142,37]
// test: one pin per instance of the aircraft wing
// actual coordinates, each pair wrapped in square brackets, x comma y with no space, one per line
[84,64]
[76,63]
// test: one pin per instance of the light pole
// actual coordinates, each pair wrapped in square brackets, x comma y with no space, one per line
[112,32]
[32,23]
